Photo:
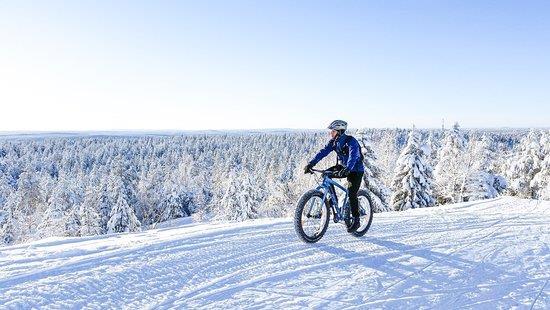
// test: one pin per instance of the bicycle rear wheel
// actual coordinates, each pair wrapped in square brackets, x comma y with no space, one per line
[365,213]
[311,216]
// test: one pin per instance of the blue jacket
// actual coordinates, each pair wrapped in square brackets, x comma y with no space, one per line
[349,154]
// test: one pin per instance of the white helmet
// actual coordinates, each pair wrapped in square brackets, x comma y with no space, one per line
[338,125]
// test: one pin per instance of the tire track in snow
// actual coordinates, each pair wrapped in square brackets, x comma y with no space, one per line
[538,295]
[118,254]
[241,263]
[414,274]
[231,288]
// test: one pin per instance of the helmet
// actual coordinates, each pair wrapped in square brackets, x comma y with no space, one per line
[338,125]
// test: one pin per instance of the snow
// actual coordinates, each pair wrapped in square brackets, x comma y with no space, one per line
[485,254]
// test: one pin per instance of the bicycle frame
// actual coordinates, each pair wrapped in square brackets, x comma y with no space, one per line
[326,189]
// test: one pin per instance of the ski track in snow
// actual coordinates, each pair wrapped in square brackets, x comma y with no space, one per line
[485,254]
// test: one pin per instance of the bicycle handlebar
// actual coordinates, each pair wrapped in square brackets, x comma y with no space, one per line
[324,172]
[318,170]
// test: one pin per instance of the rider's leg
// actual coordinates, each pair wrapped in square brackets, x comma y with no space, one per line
[354,182]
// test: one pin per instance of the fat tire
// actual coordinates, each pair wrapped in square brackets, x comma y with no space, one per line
[360,233]
[298,216]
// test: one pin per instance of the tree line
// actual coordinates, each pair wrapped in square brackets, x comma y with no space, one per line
[79,186]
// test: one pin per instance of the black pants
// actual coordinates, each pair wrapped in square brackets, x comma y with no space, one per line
[354,182]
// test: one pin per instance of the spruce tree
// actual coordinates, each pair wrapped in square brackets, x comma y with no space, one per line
[524,165]
[541,181]
[378,193]
[122,217]
[413,176]
[450,172]
[72,222]
[90,221]
[7,234]
[53,220]
[481,181]
[240,200]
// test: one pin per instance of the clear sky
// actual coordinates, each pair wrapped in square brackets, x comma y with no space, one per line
[123,65]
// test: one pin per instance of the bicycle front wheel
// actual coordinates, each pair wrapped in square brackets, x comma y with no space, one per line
[311,216]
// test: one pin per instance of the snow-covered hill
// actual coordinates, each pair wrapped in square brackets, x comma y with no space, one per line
[477,255]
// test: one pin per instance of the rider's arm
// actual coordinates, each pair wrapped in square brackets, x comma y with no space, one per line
[354,154]
[323,153]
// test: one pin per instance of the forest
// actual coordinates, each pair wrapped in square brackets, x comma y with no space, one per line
[97,184]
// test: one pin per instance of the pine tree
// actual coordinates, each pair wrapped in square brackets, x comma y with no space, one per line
[150,194]
[105,207]
[72,222]
[7,233]
[278,203]
[122,218]
[450,173]
[524,165]
[481,182]
[541,181]
[379,194]
[434,145]
[53,221]
[388,149]
[176,201]
[240,200]
[6,213]
[90,221]
[413,176]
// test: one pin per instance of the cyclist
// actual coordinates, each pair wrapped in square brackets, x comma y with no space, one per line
[349,154]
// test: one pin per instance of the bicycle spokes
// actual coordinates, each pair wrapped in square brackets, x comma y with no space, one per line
[312,216]
[364,211]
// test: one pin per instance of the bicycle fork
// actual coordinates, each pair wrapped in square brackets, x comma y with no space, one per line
[330,198]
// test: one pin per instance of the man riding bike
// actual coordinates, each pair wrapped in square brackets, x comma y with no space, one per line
[349,154]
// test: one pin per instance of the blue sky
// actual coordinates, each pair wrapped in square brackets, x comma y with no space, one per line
[117,65]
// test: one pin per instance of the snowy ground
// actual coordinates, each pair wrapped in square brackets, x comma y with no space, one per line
[476,255]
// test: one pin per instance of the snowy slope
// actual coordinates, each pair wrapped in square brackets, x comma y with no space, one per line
[475,255]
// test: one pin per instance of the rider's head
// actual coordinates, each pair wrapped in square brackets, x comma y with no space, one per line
[337,128]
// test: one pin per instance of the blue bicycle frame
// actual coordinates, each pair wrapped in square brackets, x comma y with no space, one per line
[326,187]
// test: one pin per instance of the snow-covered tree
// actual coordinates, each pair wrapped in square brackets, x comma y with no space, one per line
[28,187]
[7,229]
[6,213]
[280,201]
[524,165]
[540,183]
[53,221]
[480,181]
[122,218]
[413,176]
[286,189]
[180,191]
[72,222]
[240,200]
[387,147]
[150,192]
[378,192]
[90,220]
[479,185]
[158,175]
[176,198]
[105,207]
[450,171]
[434,144]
